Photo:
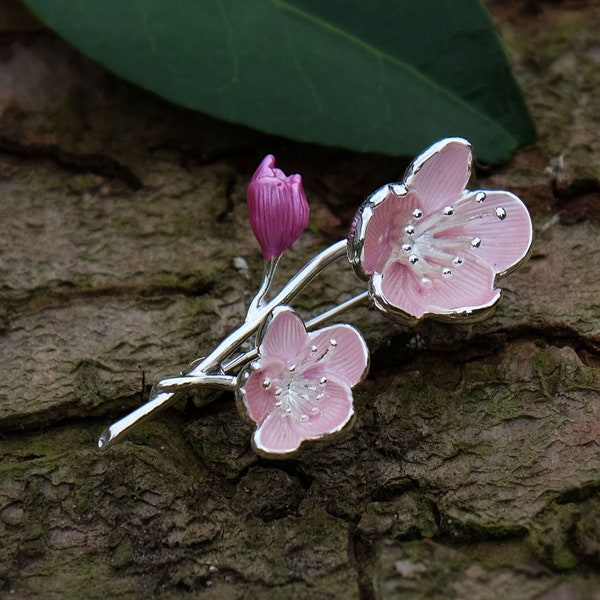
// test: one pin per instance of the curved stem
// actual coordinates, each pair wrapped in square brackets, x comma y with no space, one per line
[157,402]
[336,310]
[162,400]
[267,280]
[185,382]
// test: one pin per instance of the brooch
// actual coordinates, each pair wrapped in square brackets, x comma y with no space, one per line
[427,248]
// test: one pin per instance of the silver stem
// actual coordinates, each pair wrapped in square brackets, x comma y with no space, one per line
[162,400]
[337,310]
[158,401]
[313,323]
[258,300]
[185,382]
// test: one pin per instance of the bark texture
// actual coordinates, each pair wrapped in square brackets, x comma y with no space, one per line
[473,470]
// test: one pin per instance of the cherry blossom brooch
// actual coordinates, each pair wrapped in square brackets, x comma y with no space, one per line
[428,247]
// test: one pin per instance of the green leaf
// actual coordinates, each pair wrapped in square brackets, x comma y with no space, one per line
[387,76]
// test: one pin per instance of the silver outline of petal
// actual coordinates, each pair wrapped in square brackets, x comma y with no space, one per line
[316,441]
[358,230]
[417,164]
[524,258]
[463,314]
[529,250]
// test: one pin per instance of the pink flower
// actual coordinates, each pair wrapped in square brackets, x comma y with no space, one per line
[277,208]
[432,248]
[299,387]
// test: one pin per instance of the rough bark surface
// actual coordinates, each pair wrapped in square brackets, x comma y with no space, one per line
[473,470]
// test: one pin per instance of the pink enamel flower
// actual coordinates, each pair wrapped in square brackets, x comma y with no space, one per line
[277,208]
[300,386]
[432,248]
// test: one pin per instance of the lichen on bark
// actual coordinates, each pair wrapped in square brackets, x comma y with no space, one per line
[473,467]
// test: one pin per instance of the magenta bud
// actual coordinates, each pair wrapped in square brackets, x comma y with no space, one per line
[277,208]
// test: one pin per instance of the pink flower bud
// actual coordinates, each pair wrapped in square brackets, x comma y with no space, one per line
[277,208]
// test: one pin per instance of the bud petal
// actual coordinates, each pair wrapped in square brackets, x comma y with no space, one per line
[277,208]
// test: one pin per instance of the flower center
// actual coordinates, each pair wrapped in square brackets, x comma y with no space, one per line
[429,253]
[295,395]
[426,256]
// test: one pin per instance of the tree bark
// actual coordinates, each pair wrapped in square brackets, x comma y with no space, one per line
[473,470]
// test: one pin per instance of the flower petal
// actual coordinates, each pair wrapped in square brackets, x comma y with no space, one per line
[334,410]
[255,395]
[266,167]
[285,336]
[499,220]
[384,229]
[281,433]
[278,434]
[338,351]
[440,175]
[466,291]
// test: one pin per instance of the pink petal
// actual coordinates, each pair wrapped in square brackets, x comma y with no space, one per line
[278,434]
[469,288]
[440,175]
[338,351]
[285,336]
[258,399]
[282,433]
[384,229]
[334,410]
[265,169]
[499,219]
